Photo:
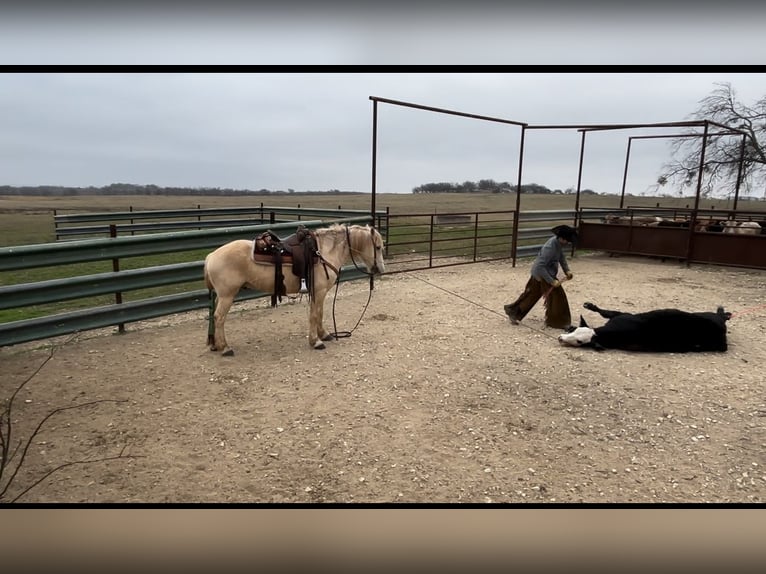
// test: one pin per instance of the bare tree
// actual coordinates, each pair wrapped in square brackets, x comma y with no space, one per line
[722,153]
[10,465]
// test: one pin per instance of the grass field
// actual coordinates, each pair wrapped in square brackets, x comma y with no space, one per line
[28,220]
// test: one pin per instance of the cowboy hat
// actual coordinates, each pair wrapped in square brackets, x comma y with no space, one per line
[565,231]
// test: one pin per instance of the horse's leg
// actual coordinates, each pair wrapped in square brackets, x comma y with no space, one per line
[317,333]
[322,333]
[221,309]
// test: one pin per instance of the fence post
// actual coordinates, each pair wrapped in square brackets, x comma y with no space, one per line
[431,243]
[116,268]
[475,236]
[388,220]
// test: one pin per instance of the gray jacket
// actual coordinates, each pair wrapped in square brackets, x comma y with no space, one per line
[546,264]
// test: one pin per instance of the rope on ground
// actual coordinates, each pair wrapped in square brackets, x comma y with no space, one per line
[737,313]
[481,306]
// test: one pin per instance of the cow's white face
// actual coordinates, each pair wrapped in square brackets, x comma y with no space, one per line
[577,338]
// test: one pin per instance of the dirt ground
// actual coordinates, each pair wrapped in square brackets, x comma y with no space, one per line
[435,397]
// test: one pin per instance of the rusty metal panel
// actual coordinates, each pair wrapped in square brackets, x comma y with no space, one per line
[636,239]
[729,249]
[711,248]
[604,237]
[660,241]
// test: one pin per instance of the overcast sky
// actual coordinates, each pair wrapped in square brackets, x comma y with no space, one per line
[295,129]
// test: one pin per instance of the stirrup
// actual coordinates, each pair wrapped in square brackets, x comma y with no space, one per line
[303,288]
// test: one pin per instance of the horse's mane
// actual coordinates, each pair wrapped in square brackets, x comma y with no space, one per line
[335,227]
[339,230]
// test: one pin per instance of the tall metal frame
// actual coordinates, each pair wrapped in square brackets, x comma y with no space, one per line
[584,129]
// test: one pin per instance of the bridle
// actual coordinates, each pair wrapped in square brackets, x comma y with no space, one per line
[370,274]
[351,250]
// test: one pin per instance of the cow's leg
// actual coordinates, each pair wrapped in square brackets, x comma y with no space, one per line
[221,310]
[605,313]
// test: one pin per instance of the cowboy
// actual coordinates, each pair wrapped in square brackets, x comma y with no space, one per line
[543,282]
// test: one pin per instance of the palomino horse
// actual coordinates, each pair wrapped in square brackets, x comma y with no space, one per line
[232,267]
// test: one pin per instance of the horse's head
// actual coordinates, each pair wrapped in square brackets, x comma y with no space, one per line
[366,244]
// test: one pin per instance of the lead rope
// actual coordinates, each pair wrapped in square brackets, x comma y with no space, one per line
[342,334]
[751,309]
[483,307]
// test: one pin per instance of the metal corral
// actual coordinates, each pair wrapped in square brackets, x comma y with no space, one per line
[413,242]
[685,243]
[663,241]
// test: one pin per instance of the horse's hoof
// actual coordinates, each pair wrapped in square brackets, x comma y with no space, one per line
[328,337]
[228,353]
[319,345]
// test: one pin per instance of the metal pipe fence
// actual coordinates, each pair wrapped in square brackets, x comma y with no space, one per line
[91,285]
[428,240]
[69,226]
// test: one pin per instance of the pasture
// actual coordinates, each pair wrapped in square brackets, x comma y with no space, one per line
[29,219]
[435,397]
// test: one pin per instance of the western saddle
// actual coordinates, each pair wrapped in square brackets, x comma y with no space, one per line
[299,250]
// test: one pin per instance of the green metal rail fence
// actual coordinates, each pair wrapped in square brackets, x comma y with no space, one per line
[113,248]
[68,226]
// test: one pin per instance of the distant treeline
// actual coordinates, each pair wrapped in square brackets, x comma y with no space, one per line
[483,186]
[491,186]
[131,189]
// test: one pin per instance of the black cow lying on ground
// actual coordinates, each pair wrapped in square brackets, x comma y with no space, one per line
[660,331]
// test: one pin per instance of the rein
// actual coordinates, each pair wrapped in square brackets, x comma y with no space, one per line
[342,334]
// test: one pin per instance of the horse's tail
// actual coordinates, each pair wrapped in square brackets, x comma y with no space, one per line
[206,276]
[211,295]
